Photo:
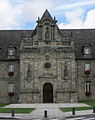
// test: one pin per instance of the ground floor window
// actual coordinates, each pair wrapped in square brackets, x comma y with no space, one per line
[11,89]
[87,89]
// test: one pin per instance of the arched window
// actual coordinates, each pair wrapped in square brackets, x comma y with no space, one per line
[87,49]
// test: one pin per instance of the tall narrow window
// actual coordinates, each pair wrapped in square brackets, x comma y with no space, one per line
[11,70]
[87,89]
[87,69]
[11,89]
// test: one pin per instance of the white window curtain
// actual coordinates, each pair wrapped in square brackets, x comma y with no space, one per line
[11,88]
[11,52]
[87,67]
[87,50]
[11,68]
[87,87]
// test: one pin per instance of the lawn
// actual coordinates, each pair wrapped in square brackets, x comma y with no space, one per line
[3,105]
[77,109]
[91,103]
[17,110]
[88,102]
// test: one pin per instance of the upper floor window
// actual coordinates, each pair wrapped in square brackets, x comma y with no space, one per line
[87,49]
[87,68]
[11,89]
[11,68]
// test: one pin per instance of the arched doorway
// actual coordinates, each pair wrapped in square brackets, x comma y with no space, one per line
[47,93]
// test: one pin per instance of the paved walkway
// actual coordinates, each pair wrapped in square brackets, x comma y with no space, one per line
[45,105]
[52,110]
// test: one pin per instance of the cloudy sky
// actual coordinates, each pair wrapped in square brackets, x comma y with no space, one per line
[71,14]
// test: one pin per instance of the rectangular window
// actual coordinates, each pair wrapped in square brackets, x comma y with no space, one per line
[11,68]
[87,67]
[87,87]
[11,88]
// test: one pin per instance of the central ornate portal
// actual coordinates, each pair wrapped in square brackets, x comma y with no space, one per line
[47,93]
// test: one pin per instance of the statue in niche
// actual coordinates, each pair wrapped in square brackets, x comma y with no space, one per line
[66,73]
[29,74]
[47,34]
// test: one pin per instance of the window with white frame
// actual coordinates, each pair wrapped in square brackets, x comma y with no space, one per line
[11,68]
[87,67]
[87,87]
[11,88]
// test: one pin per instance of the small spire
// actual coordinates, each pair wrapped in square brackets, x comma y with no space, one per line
[38,18]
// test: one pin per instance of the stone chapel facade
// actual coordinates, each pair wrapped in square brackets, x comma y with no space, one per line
[47,65]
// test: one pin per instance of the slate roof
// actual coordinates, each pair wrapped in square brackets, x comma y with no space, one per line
[11,37]
[80,36]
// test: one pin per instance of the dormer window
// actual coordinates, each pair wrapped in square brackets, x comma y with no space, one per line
[87,49]
[11,50]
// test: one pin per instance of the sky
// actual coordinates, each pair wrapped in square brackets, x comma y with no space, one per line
[70,14]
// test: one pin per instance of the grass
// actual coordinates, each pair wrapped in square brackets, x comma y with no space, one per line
[3,105]
[91,103]
[77,109]
[17,110]
[88,102]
